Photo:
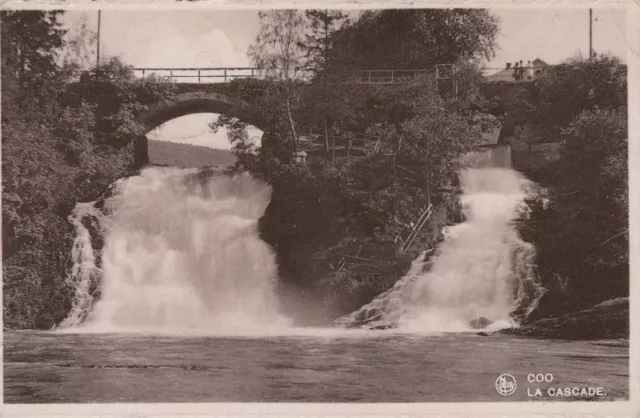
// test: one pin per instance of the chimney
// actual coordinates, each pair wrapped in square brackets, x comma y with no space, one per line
[508,65]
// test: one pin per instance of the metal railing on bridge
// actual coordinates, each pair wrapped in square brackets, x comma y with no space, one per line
[201,75]
[224,75]
[439,73]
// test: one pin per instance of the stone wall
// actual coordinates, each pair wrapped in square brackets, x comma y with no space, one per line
[531,154]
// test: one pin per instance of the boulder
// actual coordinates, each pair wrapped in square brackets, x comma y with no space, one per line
[609,319]
[382,325]
[480,323]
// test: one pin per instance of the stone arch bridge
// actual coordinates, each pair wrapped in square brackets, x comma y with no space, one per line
[193,98]
[207,90]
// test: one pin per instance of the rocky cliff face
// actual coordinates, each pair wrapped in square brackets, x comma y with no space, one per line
[335,254]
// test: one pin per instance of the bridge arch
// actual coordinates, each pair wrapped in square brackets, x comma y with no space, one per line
[183,104]
[189,103]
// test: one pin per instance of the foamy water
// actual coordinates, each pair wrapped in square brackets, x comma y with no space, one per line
[181,255]
[482,274]
[482,267]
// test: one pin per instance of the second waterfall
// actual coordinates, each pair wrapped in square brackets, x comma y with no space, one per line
[482,274]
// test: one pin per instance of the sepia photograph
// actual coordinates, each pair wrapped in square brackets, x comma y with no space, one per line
[277,205]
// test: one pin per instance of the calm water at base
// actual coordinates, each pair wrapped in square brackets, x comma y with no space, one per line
[340,367]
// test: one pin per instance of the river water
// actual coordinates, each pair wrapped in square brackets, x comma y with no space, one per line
[314,366]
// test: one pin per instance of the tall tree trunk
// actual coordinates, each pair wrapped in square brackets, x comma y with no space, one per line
[292,127]
[326,136]
[326,104]
[294,138]
[427,187]
[333,146]
[395,163]
[427,179]
[23,64]
[325,86]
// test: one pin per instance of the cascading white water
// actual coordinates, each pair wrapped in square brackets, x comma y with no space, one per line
[481,274]
[84,273]
[181,254]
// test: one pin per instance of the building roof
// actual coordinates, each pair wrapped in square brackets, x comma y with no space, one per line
[507,75]
[504,76]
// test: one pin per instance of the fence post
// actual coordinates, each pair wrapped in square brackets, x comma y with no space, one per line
[391,76]
[252,74]
[198,76]
[171,75]
[143,73]
[225,75]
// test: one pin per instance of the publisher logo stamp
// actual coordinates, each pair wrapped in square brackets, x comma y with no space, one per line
[506,384]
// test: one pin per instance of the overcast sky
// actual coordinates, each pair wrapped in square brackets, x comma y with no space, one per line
[204,38]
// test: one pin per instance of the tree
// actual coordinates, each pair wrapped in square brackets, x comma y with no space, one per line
[319,41]
[63,142]
[277,50]
[416,39]
[583,237]
[261,102]
[117,97]
[318,47]
[563,92]
[80,46]
[31,42]
[593,182]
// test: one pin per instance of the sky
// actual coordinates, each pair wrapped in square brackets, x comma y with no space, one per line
[204,38]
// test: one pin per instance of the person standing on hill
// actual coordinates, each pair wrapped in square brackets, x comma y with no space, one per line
[521,70]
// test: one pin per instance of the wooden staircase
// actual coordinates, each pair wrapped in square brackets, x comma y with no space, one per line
[425,214]
[361,264]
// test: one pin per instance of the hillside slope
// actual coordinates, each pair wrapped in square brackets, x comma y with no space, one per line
[187,155]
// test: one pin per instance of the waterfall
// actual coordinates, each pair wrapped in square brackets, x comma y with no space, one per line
[481,275]
[181,254]
[492,156]
[85,274]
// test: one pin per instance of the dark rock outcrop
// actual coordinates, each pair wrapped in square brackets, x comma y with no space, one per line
[609,319]
[480,323]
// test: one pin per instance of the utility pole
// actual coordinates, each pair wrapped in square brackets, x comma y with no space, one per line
[98,49]
[590,34]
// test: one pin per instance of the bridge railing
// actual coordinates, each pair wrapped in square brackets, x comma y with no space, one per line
[439,72]
[380,76]
[224,75]
[201,75]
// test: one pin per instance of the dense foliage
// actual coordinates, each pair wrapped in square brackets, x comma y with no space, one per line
[583,242]
[416,38]
[336,205]
[64,140]
[362,206]
[319,43]
[564,91]
[567,90]
[276,50]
